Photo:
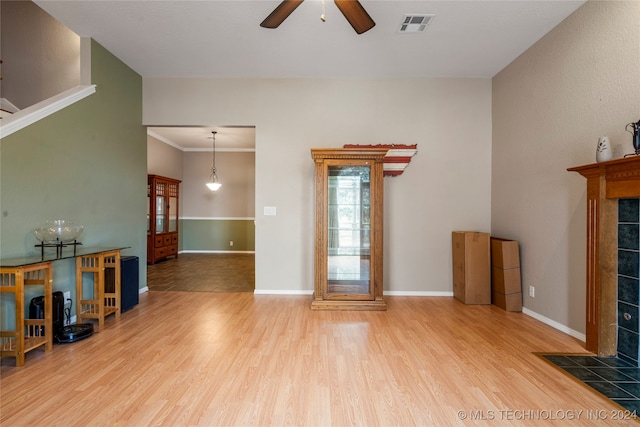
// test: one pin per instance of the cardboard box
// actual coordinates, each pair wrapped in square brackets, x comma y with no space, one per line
[508,302]
[471,267]
[505,253]
[506,281]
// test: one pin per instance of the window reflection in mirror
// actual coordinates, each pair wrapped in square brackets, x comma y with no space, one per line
[349,230]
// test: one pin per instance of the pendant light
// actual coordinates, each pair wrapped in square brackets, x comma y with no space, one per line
[214,185]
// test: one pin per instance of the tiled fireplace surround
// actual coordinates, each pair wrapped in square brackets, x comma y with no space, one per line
[628,342]
[613,257]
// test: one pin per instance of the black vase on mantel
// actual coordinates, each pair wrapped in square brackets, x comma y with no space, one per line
[634,130]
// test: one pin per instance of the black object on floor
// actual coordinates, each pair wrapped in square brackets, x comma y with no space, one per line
[612,377]
[73,333]
[36,311]
[61,333]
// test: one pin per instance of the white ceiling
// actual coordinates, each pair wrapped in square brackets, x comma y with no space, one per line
[221,38]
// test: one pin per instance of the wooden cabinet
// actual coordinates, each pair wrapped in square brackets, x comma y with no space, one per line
[163,196]
[348,229]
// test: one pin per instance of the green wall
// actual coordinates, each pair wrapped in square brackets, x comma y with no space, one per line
[200,235]
[86,163]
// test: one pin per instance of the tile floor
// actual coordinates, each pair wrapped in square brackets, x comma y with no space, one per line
[613,377]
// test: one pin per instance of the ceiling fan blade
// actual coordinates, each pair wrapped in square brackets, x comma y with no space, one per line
[280,13]
[356,15]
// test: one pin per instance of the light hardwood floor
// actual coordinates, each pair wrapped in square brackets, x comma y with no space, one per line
[236,359]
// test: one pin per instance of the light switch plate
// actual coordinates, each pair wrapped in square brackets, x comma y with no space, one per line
[270,210]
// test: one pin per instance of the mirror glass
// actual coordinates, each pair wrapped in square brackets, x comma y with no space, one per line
[148,210]
[173,214]
[160,215]
[349,229]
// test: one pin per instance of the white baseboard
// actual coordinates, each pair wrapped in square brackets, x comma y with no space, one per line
[216,252]
[419,293]
[559,326]
[281,292]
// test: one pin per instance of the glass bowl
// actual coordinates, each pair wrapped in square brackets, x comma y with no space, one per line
[58,231]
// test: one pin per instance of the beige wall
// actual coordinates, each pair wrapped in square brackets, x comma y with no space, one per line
[41,57]
[446,187]
[236,197]
[163,159]
[579,82]
[236,171]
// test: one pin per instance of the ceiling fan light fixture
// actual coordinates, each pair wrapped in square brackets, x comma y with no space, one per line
[352,10]
[415,23]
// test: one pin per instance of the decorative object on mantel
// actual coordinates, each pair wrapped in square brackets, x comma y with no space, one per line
[214,185]
[58,233]
[634,130]
[603,152]
[397,159]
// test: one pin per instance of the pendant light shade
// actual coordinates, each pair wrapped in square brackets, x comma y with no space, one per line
[214,184]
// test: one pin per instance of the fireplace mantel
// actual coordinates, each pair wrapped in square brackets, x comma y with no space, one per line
[606,182]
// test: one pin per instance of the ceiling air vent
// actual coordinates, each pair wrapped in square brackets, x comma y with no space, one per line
[415,23]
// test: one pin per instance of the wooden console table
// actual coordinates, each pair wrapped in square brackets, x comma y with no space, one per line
[16,273]
[28,333]
[606,182]
[101,304]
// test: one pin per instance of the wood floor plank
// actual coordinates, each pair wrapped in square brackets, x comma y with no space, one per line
[236,359]
[196,272]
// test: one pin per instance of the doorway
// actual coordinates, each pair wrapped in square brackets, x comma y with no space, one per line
[213,225]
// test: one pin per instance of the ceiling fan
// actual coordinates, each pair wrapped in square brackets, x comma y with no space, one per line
[351,9]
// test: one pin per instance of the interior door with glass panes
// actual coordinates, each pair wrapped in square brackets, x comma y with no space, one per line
[348,232]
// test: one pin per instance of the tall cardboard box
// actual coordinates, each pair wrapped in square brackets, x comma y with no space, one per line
[471,267]
[506,282]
